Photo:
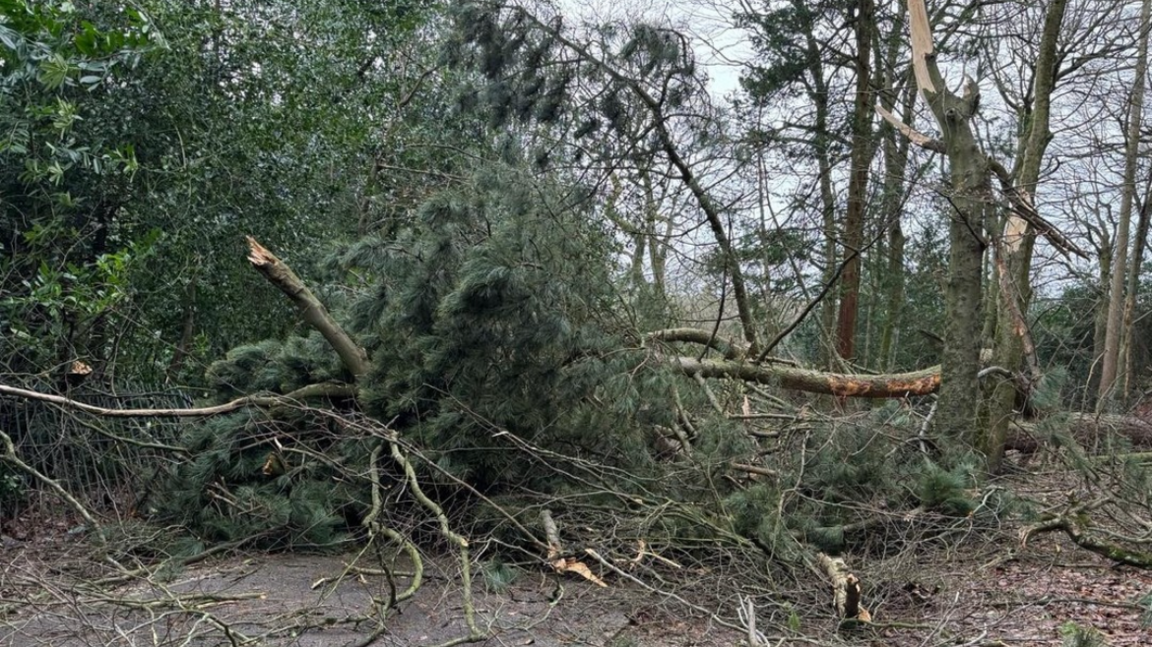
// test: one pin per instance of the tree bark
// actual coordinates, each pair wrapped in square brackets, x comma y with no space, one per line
[895,164]
[1114,330]
[354,357]
[1016,243]
[972,202]
[860,159]
[818,95]
[1136,265]
[897,385]
[1100,319]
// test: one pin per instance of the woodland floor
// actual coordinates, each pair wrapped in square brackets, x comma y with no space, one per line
[981,589]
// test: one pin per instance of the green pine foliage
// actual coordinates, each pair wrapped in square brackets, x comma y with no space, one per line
[486,315]
[275,366]
[228,492]
[844,476]
[490,321]
[946,490]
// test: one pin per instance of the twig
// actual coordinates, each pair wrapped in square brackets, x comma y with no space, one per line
[10,456]
[615,569]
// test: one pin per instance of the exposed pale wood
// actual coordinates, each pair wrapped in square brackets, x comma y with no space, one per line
[845,589]
[895,385]
[922,46]
[913,135]
[354,357]
[1024,213]
[552,534]
[755,469]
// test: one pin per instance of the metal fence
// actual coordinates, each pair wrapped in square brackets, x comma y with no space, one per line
[104,461]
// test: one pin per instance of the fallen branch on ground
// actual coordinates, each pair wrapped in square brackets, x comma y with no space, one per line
[1075,523]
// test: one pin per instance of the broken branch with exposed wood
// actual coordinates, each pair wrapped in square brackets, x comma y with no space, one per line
[354,358]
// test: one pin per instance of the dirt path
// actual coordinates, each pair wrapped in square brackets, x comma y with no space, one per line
[984,590]
[300,600]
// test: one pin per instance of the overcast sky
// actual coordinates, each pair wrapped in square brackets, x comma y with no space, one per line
[719,48]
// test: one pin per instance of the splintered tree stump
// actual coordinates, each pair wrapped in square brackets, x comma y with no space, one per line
[845,589]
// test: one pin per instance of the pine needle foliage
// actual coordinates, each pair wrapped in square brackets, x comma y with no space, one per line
[238,488]
[492,320]
[491,312]
[838,482]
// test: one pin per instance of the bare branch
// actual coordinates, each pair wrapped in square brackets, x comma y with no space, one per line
[913,135]
[310,391]
[895,385]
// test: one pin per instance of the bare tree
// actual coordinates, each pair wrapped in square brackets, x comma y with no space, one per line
[1114,331]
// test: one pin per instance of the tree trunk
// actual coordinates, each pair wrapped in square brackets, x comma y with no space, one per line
[1100,319]
[895,165]
[657,245]
[1016,246]
[354,357]
[821,144]
[897,385]
[972,203]
[1114,330]
[1128,347]
[857,182]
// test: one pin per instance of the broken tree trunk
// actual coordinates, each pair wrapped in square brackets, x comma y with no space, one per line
[783,374]
[845,589]
[354,357]
[973,206]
